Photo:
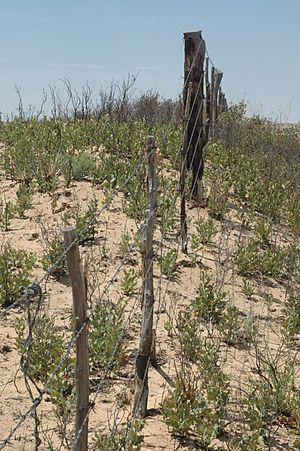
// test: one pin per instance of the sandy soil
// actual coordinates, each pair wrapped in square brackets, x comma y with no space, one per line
[113,403]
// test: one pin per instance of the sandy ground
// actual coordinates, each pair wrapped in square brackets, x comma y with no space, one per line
[114,401]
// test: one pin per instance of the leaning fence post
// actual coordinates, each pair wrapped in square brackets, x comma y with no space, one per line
[194,141]
[216,78]
[145,352]
[182,182]
[82,357]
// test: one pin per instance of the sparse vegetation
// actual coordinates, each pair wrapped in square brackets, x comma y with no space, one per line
[15,268]
[236,289]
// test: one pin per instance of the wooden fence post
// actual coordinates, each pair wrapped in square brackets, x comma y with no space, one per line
[216,78]
[194,140]
[82,356]
[146,338]
[183,219]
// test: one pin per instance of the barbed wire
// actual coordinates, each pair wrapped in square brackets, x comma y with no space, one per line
[173,204]
[159,310]
[30,291]
[80,234]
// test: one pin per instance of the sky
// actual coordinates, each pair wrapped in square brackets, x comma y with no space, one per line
[255,43]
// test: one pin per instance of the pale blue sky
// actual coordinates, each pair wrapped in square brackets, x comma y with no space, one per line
[255,43]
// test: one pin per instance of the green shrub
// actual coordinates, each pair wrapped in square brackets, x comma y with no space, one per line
[82,165]
[206,230]
[24,199]
[129,439]
[197,406]
[129,282]
[53,258]
[188,334]
[209,303]
[271,395]
[7,210]
[15,269]
[85,223]
[106,336]
[251,260]
[45,353]
[290,322]
[229,325]
[168,263]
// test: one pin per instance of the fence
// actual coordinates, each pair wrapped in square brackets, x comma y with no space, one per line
[208,338]
[194,101]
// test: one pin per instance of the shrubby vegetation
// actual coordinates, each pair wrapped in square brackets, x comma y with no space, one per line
[251,179]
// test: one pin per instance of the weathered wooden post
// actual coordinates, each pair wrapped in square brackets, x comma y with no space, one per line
[194,132]
[145,353]
[82,356]
[183,219]
[207,102]
[216,78]
[194,77]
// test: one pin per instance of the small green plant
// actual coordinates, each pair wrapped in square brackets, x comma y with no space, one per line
[206,230]
[218,201]
[188,334]
[269,300]
[53,258]
[125,244]
[197,406]
[229,325]
[263,230]
[82,165]
[129,282]
[45,353]
[290,323]
[15,269]
[209,303]
[24,199]
[252,260]
[85,223]
[7,210]
[247,289]
[271,395]
[168,263]
[106,336]
[129,439]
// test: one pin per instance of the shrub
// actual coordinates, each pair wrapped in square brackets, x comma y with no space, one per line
[85,223]
[291,321]
[168,263]
[206,230]
[271,395]
[129,439]
[187,331]
[82,165]
[6,214]
[197,406]
[53,258]
[106,336]
[251,260]
[24,199]
[129,282]
[45,353]
[209,303]
[15,269]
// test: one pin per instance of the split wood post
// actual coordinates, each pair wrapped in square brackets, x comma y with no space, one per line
[216,78]
[145,352]
[194,48]
[207,113]
[82,357]
[183,219]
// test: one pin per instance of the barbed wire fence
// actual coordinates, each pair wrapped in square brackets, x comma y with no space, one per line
[34,291]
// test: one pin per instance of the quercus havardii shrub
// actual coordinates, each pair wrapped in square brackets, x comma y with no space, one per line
[15,270]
